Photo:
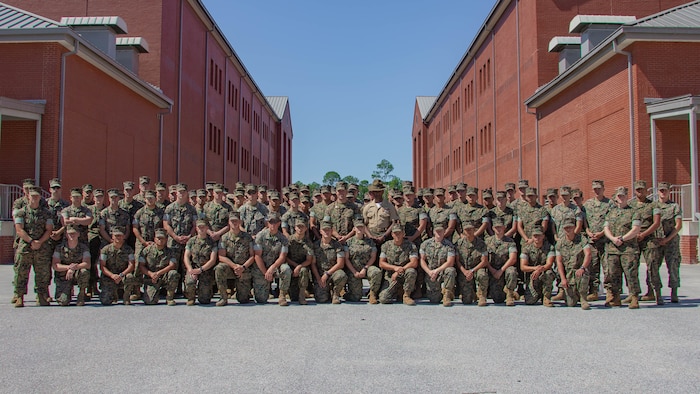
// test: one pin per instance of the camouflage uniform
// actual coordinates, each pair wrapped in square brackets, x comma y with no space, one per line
[359,251]
[68,256]
[147,221]
[542,286]
[217,214]
[299,250]
[56,207]
[476,213]
[131,207]
[596,211]
[623,258]
[291,218]
[436,255]
[469,254]
[200,251]
[506,215]
[182,219]
[326,257]
[572,257]
[253,218]
[35,223]
[154,260]
[237,249]
[94,243]
[116,261]
[561,212]
[401,256]
[78,212]
[410,218]
[530,217]
[441,217]
[671,252]
[499,253]
[110,218]
[271,245]
[342,215]
[649,247]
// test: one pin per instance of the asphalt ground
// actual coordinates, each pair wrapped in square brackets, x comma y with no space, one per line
[351,347]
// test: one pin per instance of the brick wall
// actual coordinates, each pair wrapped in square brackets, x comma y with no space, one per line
[6,251]
[689,249]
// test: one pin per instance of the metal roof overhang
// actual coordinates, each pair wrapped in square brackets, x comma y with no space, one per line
[69,39]
[14,109]
[673,108]
[620,39]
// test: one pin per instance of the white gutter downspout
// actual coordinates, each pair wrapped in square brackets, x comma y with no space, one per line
[62,105]
[631,104]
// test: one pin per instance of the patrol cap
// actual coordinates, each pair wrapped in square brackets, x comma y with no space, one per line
[117,230]
[501,194]
[664,186]
[181,187]
[55,183]
[406,183]
[419,194]
[353,186]
[251,189]
[161,233]
[341,185]
[113,192]
[71,228]
[209,185]
[487,193]
[439,227]
[35,191]
[273,195]
[510,186]
[468,224]
[408,190]
[351,194]
[160,186]
[293,196]
[304,188]
[285,190]
[76,192]
[452,189]
[576,192]
[149,194]
[262,189]
[240,185]
[439,191]
[87,187]
[316,192]
[621,191]
[201,193]
[428,191]
[497,222]
[172,188]
[218,188]
[640,184]
[305,199]
[234,215]
[128,185]
[397,228]
[461,186]
[597,184]
[523,183]
[301,222]
[471,190]
[28,182]
[565,191]
[99,193]
[537,231]
[202,222]
[192,193]
[358,223]
[326,222]
[568,222]
[325,189]
[144,180]
[376,186]
[241,192]
[531,191]
[273,217]
[551,192]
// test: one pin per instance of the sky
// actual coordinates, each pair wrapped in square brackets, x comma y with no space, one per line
[352,71]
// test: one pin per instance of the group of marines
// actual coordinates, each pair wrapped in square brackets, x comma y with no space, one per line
[434,243]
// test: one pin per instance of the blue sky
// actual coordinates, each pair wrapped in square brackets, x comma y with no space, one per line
[351,70]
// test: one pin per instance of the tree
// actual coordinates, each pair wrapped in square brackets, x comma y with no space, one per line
[331,178]
[383,171]
[313,186]
[351,179]
[362,189]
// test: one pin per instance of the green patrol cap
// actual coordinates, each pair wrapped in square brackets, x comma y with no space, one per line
[202,222]
[160,186]
[172,188]
[353,186]
[664,186]
[161,233]
[565,191]
[192,193]
[523,183]
[99,193]
[273,217]
[497,222]
[240,185]
[28,182]
[537,231]
[201,193]
[471,190]
[218,188]
[640,184]
[113,192]
[326,222]
[209,185]
[358,223]
[325,189]
[621,191]
[576,192]
[439,191]
[487,193]
[568,222]
[461,186]
[149,194]
[293,196]
[408,190]
[273,195]
[501,194]
[428,191]
[531,191]
[304,188]
[439,227]
[397,228]
[118,230]
[144,180]
[240,192]
[341,185]
[76,192]
[300,222]
[128,185]
[305,199]
[551,192]
[376,186]
[87,187]
[451,189]
[262,189]
[234,215]
[250,189]
[71,228]
[181,187]
[316,192]
[35,191]
[510,186]
[55,183]
[597,184]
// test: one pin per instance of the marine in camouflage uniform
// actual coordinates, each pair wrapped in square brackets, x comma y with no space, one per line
[649,232]
[503,276]
[112,216]
[217,213]
[622,252]
[179,221]
[441,215]
[318,211]
[362,254]
[146,221]
[253,213]
[117,266]
[329,255]
[671,224]
[292,216]
[71,266]
[33,225]
[131,206]
[399,260]
[56,204]
[77,214]
[437,258]
[200,259]
[573,255]
[299,259]
[473,212]
[505,213]
[531,215]
[566,209]
[536,261]
[342,213]
[236,257]
[271,248]
[596,209]
[159,268]
[472,259]
[95,240]
[413,219]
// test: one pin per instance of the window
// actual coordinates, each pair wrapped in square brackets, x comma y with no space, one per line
[214,140]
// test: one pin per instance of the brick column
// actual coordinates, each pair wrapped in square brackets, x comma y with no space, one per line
[689,249]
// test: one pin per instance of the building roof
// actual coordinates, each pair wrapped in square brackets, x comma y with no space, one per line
[424,104]
[686,15]
[278,104]
[557,44]
[113,22]
[139,43]
[579,22]
[15,18]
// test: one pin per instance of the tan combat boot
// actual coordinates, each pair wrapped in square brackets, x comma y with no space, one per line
[592,297]
[627,299]
[447,298]
[510,301]
[659,298]
[481,294]
[407,300]
[559,296]
[282,301]
[42,299]
[302,297]
[546,300]
[127,298]
[616,300]
[19,301]
[135,296]
[335,298]
[372,297]
[584,304]
[649,296]
[674,295]
[634,302]
[81,297]
[609,297]
[170,298]
[223,300]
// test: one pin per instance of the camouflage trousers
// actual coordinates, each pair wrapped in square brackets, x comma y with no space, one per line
[94,245]
[468,287]
[445,279]
[509,279]
[294,284]
[671,252]
[336,283]
[64,287]
[619,264]
[261,287]
[652,257]
[597,261]
[243,284]
[109,289]
[535,289]
[25,259]
[373,275]
[578,287]
[151,291]
[390,288]
[202,287]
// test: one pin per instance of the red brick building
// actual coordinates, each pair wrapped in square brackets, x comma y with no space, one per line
[101,91]
[570,91]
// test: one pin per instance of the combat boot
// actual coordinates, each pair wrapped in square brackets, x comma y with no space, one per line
[14,299]
[584,304]
[616,300]
[649,296]
[659,298]
[42,299]
[224,298]
[372,297]
[609,297]
[282,301]
[627,299]
[19,301]
[592,297]
[302,297]
[407,300]
[559,296]
[335,298]
[81,297]
[546,300]
[170,298]
[634,303]
[674,295]
[510,301]
[481,294]
[135,296]
[447,298]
